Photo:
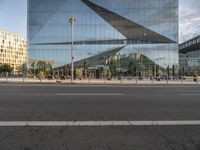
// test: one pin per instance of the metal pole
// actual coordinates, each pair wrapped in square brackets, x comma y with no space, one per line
[72,58]
[167,78]
[121,79]
[23,78]
[34,72]
[89,75]
[23,75]
[182,79]
[72,21]
[6,76]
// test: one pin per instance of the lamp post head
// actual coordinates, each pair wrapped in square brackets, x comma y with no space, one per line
[72,21]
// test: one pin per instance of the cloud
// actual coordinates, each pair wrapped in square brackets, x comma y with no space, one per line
[189,19]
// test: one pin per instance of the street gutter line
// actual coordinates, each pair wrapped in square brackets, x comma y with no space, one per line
[94,123]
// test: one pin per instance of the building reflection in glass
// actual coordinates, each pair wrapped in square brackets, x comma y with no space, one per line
[107,33]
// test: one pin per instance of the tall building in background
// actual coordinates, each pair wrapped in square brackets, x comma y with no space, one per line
[129,35]
[189,56]
[13,50]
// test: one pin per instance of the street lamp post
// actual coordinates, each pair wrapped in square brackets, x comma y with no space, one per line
[72,21]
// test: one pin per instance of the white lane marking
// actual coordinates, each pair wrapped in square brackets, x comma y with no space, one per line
[89,94]
[95,123]
[185,94]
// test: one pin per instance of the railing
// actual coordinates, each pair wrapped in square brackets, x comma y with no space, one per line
[115,81]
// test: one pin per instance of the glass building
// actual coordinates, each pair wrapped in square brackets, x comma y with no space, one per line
[189,56]
[132,36]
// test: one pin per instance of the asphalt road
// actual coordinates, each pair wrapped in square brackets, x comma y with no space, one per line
[83,103]
[99,103]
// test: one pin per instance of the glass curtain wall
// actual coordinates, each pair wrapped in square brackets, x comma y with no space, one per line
[133,37]
[190,63]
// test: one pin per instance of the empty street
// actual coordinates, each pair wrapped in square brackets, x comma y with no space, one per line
[71,117]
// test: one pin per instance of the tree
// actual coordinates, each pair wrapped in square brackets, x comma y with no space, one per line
[79,73]
[153,70]
[6,69]
[85,68]
[157,71]
[113,65]
[173,70]
[109,74]
[101,70]
[30,71]
[46,67]
[183,71]
[168,71]
[41,75]
[131,68]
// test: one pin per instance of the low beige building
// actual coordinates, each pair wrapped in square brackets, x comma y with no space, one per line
[13,50]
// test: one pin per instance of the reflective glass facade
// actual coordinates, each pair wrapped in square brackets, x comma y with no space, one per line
[190,63]
[189,56]
[105,30]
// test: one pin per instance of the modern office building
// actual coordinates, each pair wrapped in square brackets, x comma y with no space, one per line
[13,50]
[129,35]
[190,56]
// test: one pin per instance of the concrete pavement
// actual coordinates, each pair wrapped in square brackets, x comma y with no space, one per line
[100,138]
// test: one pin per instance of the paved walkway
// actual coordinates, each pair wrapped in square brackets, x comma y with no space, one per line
[94,81]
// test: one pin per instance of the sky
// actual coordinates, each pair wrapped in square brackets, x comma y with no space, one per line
[13,17]
[189,21]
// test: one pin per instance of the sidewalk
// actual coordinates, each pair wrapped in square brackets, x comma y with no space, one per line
[100,81]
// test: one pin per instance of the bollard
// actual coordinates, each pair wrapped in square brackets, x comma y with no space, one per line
[23,78]
[136,79]
[6,76]
[182,80]
[167,80]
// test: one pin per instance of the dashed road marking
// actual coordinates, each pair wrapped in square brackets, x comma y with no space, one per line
[89,94]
